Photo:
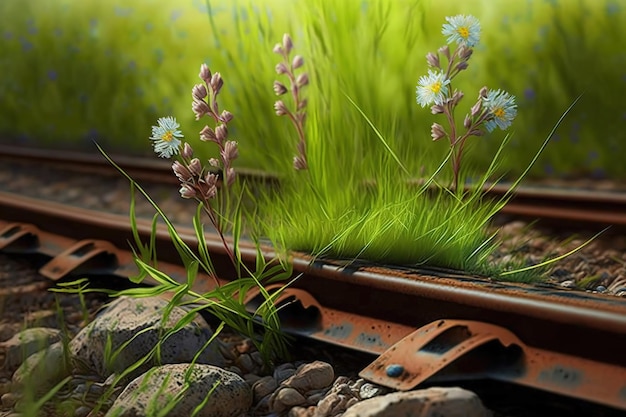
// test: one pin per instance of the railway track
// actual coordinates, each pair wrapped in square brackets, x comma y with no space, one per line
[423,325]
[555,206]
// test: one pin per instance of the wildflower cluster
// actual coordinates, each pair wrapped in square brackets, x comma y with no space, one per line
[205,103]
[493,108]
[198,181]
[298,116]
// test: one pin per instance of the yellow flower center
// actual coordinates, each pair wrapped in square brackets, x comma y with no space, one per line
[168,136]
[499,113]
[435,87]
[464,32]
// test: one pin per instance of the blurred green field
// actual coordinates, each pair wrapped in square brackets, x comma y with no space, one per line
[78,71]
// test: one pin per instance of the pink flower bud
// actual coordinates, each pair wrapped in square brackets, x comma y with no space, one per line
[302,80]
[211,179]
[483,93]
[216,83]
[210,192]
[287,43]
[199,92]
[200,108]
[461,66]
[437,109]
[205,73]
[208,134]
[195,167]
[230,151]
[465,52]
[278,49]
[456,97]
[437,132]
[476,108]
[187,191]
[221,133]
[433,60]
[279,88]
[214,162]
[467,122]
[297,61]
[299,163]
[187,151]
[280,108]
[207,191]
[181,172]
[281,68]
[226,116]
[445,51]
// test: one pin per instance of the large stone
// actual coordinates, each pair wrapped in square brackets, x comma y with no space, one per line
[129,329]
[219,393]
[43,370]
[432,402]
[25,343]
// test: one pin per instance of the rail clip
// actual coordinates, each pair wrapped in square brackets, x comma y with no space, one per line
[460,349]
[98,253]
[18,237]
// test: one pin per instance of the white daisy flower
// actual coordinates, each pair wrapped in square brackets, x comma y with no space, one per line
[502,109]
[464,30]
[432,88]
[166,137]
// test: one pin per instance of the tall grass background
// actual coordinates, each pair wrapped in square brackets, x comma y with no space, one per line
[76,71]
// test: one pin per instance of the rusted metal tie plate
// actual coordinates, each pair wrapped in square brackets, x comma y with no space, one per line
[459,349]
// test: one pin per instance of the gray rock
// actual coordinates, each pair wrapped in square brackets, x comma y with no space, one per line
[308,379]
[289,397]
[228,394]
[43,370]
[25,343]
[432,402]
[311,376]
[133,327]
[263,387]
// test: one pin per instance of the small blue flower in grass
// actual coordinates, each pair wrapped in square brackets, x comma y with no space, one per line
[432,88]
[502,109]
[464,30]
[166,137]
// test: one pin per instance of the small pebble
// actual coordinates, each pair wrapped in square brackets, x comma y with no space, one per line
[257,358]
[9,399]
[263,387]
[82,411]
[245,363]
[285,398]
[601,288]
[284,371]
[560,273]
[570,283]
[370,391]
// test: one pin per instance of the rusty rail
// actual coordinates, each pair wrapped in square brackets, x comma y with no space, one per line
[555,205]
[422,323]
